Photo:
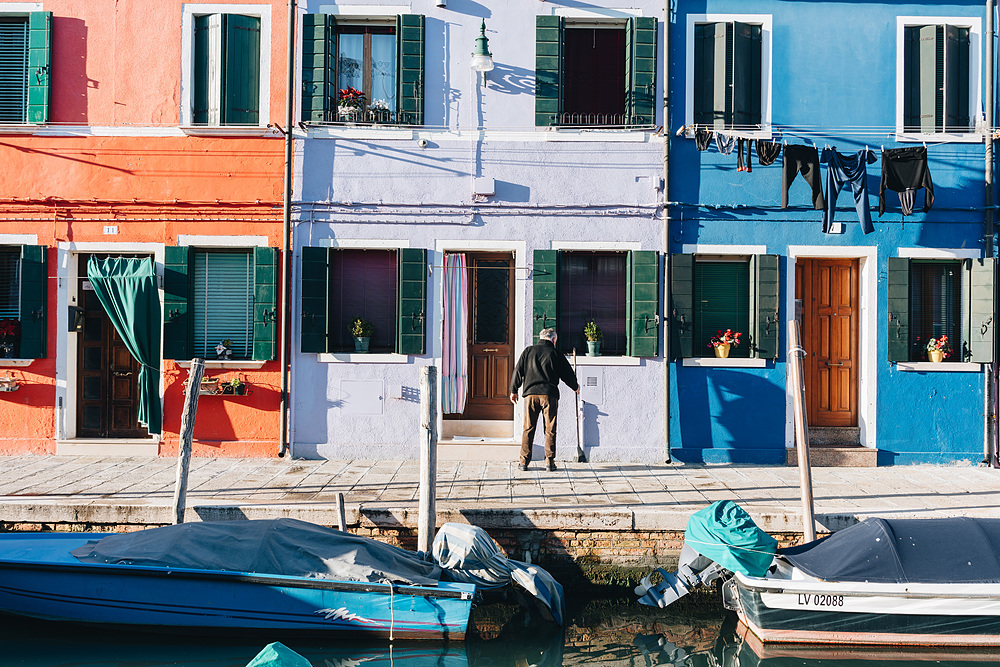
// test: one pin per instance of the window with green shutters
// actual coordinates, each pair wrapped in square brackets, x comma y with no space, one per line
[23,290]
[617,290]
[710,294]
[726,88]
[215,296]
[587,75]
[385,287]
[25,67]
[936,76]
[930,298]
[227,70]
[382,58]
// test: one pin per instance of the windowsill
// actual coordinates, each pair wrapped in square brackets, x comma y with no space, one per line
[942,367]
[18,129]
[715,362]
[15,362]
[232,364]
[362,358]
[229,131]
[765,135]
[624,134]
[940,137]
[387,132]
[584,360]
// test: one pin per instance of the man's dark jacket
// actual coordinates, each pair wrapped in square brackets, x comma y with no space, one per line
[540,368]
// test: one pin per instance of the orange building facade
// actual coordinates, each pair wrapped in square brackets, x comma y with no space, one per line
[126,149]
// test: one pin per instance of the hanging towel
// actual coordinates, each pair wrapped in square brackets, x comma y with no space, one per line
[725,143]
[767,152]
[905,170]
[843,169]
[801,160]
[702,138]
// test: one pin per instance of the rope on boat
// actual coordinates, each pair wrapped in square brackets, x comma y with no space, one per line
[392,616]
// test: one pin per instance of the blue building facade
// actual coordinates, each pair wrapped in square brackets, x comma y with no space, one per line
[828,85]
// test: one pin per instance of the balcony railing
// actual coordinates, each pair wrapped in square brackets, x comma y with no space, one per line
[368,116]
[599,120]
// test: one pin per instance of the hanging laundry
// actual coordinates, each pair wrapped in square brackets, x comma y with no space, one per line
[725,143]
[767,152]
[740,165]
[905,170]
[840,170]
[801,160]
[702,138]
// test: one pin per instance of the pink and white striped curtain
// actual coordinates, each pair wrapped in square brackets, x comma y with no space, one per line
[456,325]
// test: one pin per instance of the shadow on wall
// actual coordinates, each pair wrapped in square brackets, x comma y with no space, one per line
[69,71]
[510,80]
[724,409]
[591,427]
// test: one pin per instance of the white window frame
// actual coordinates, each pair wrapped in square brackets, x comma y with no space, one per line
[765,22]
[974,24]
[189,12]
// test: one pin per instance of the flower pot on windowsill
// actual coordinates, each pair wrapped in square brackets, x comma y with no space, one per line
[9,384]
[7,350]
[347,114]
[936,356]
[208,387]
[361,344]
[722,351]
[593,348]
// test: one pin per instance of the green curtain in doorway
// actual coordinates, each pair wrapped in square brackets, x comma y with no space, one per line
[126,288]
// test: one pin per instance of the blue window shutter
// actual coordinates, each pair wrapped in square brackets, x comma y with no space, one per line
[176,332]
[34,301]
[898,286]
[411,300]
[265,303]
[315,294]
[241,70]
[643,299]
[768,289]
[319,34]
[39,65]
[982,310]
[681,305]
[641,70]
[410,63]
[544,290]
[548,69]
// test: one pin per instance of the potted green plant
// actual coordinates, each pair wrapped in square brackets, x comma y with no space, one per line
[592,332]
[235,386]
[362,331]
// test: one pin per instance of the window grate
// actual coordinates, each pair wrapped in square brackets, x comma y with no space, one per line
[10,284]
[13,69]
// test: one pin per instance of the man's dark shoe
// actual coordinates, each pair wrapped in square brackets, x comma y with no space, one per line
[523,467]
[550,466]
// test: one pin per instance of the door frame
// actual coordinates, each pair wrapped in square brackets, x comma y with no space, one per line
[867,257]
[68,273]
[521,284]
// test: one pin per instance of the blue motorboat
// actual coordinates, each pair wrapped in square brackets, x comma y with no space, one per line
[282,576]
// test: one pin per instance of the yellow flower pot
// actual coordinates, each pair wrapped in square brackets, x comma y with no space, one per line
[937,356]
[722,351]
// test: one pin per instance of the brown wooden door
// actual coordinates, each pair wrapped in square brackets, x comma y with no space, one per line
[107,385]
[830,310]
[491,353]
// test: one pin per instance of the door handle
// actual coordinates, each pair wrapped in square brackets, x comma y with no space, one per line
[122,374]
[491,349]
[839,363]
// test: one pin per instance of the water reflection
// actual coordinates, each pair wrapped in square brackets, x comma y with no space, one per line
[613,634]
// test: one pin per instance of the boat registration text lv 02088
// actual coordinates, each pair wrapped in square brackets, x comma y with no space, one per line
[882,604]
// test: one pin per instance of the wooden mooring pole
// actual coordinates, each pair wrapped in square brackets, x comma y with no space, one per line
[798,387]
[427,514]
[187,434]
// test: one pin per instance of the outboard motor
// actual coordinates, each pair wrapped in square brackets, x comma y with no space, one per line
[693,570]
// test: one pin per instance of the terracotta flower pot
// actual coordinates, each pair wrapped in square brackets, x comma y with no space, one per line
[722,351]
[937,356]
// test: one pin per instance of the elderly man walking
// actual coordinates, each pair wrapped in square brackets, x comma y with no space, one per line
[539,370]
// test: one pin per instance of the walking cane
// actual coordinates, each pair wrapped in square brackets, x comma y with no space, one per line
[580,456]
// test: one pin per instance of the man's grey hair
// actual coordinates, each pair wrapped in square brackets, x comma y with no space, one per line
[548,334]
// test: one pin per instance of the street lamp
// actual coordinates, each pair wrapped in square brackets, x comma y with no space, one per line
[482,59]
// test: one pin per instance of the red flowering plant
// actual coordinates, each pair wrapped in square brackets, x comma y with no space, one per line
[351,97]
[730,337]
[9,329]
[940,344]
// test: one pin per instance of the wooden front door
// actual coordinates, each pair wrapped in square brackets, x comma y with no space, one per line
[491,336]
[107,377]
[828,289]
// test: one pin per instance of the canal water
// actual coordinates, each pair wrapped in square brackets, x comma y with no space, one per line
[613,632]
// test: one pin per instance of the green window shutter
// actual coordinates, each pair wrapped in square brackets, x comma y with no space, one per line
[410,63]
[315,295]
[33,300]
[956,111]
[544,290]
[899,309]
[712,75]
[201,98]
[265,303]
[640,75]
[768,291]
[923,76]
[319,34]
[643,298]
[176,336]
[746,74]
[681,305]
[39,65]
[411,301]
[548,69]
[982,312]
[241,70]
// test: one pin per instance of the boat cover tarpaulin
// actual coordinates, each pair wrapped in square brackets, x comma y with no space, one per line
[952,550]
[725,533]
[286,547]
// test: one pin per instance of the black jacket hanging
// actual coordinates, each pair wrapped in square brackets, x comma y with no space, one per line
[905,170]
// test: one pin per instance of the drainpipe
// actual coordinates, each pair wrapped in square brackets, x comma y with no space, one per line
[286,245]
[667,133]
[990,376]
